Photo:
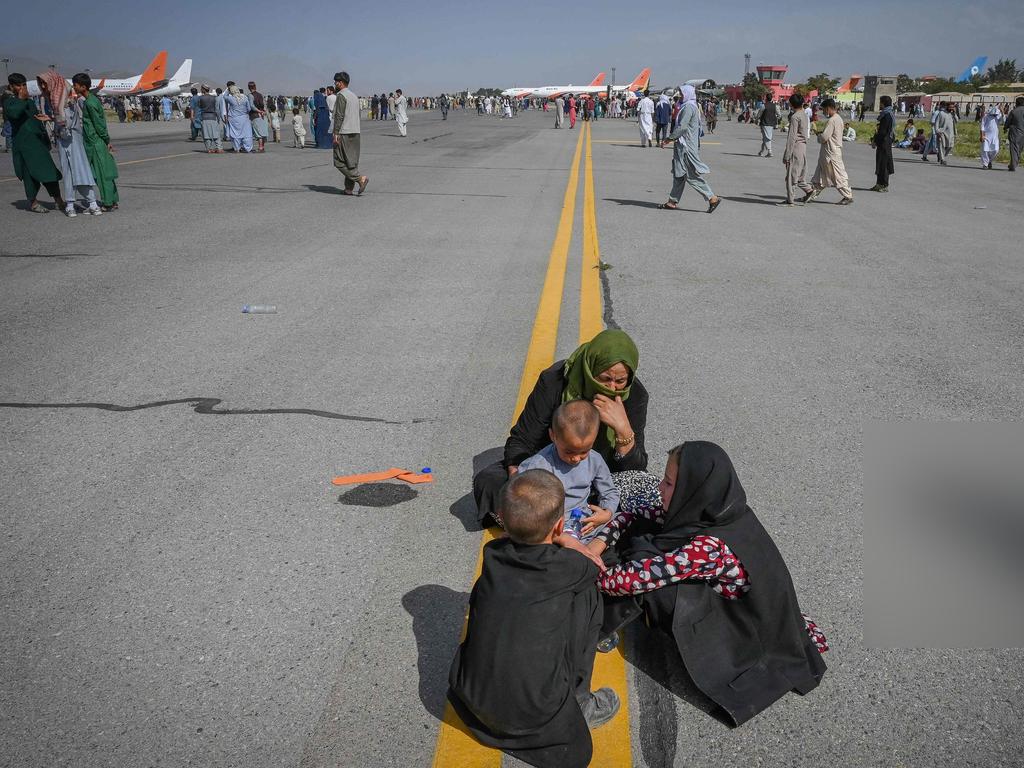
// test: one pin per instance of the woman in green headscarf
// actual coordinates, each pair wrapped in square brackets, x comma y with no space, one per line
[603,371]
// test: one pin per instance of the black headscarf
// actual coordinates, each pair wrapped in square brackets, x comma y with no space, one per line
[743,654]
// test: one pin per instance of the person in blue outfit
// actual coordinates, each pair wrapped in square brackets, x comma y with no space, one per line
[321,121]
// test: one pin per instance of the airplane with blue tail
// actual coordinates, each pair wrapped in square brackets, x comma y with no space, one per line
[977,68]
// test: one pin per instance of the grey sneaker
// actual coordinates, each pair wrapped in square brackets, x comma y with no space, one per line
[600,708]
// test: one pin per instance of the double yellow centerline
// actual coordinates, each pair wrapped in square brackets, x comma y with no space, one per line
[456,748]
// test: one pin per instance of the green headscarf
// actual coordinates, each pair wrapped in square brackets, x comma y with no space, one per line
[595,357]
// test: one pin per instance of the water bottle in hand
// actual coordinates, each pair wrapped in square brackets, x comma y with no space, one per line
[574,526]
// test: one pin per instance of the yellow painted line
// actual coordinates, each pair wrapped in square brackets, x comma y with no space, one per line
[456,748]
[590,277]
[128,162]
[612,747]
[162,157]
[637,143]
[541,353]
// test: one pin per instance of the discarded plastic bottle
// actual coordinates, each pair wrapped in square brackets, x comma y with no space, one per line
[575,525]
[259,309]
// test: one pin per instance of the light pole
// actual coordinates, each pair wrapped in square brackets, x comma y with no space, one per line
[6,71]
[613,76]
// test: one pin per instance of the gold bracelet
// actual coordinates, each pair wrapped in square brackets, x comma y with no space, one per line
[624,441]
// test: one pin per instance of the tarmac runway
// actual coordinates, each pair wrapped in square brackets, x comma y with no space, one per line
[185,587]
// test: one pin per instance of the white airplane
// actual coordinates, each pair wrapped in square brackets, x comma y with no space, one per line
[554,91]
[178,84]
[520,93]
[153,76]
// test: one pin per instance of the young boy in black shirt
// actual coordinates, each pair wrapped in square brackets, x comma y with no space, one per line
[521,679]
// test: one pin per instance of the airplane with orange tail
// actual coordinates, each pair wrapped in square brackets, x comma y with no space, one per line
[522,93]
[596,89]
[849,85]
[151,78]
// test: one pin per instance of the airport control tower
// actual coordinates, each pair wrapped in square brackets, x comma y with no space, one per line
[771,77]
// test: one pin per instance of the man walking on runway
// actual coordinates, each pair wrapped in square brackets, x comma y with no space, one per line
[346,135]
[400,114]
[559,108]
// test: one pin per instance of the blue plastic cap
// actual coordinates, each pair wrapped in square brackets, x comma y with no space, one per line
[426,470]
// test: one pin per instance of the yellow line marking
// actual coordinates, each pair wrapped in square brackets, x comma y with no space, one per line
[162,157]
[541,352]
[612,747]
[456,748]
[637,143]
[590,278]
[127,162]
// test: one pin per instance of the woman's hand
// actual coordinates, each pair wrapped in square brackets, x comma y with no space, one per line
[43,118]
[567,541]
[613,414]
[599,516]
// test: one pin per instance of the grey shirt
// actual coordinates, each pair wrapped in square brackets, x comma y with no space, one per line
[578,479]
[346,112]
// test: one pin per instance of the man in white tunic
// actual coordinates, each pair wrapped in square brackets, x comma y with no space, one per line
[400,114]
[559,109]
[645,116]
[831,172]
[990,136]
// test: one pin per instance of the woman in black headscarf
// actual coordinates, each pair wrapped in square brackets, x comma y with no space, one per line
[705,570]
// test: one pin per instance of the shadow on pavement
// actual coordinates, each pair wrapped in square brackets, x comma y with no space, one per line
[465,511]
[378,495]
[322,189]
[437,617]
[637,203]
[767,201]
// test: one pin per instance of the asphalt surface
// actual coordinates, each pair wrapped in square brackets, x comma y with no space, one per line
[184,586]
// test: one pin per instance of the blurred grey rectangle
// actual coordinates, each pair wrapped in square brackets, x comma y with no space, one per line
[943,534]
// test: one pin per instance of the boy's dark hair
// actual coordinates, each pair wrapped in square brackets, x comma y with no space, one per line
[341,77]
[796,101]
[16,78]
[828,104]
[530,504]
[885,101]
[578,417]
[295,110]
[1020,101]
[82,79]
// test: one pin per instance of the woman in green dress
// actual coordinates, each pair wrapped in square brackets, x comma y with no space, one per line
[97,142]
[30,150]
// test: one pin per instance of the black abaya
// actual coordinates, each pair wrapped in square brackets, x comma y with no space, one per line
[743,654]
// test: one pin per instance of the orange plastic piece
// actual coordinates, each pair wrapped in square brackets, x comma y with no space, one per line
[390,474]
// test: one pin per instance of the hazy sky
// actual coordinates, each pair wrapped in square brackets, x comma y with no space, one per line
[426,47]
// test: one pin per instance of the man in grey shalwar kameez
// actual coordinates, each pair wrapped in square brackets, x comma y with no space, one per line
[347,134]
[686,162]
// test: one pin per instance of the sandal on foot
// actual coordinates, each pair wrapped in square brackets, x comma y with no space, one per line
[37,208]
[362,184]
[668,207]
[714,205]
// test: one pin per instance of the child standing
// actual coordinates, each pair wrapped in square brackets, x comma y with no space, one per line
[298,129]
[520,680]
[572,459]
[275,126]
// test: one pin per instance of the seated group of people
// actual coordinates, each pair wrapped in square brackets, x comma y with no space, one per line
[685,551]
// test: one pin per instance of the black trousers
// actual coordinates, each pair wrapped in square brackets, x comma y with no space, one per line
[883,164]
[1016,144]
[487,484]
